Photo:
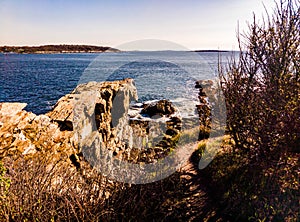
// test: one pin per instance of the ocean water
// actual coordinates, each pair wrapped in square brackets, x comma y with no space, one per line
[41,79]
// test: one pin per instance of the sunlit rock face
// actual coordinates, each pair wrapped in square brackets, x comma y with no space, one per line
[93,113]
[101,116]
[24,133]
[95,116]
[106,118]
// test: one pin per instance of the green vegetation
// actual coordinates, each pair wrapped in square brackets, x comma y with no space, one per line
[262,88]
[259,179]
[246,191]
[55,49]
[4,180]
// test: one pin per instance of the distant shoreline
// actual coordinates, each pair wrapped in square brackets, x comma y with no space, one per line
[65,49]
[54,49]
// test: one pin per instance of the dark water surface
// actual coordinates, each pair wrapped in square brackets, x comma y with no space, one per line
[41,79]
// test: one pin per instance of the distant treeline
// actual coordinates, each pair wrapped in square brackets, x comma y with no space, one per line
[55,49]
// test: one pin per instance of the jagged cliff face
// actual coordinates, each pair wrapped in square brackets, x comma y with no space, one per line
[101,121]
[95,115]
[101,116]
[23,132]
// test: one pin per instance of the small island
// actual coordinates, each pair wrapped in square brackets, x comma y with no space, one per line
[48,49]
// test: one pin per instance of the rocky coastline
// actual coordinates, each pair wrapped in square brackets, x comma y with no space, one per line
[116,120]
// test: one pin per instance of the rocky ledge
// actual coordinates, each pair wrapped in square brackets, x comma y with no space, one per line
[128,130]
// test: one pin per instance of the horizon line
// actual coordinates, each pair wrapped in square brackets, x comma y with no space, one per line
[64,44]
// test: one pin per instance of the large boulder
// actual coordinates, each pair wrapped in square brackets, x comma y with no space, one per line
[161,108]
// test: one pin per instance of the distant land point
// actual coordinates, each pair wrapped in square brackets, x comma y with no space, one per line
[64,48]
[48,49]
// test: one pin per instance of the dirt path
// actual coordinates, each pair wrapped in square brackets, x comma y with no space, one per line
[196,202]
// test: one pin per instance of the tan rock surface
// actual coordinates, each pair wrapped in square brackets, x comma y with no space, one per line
[100,108]
[25,133]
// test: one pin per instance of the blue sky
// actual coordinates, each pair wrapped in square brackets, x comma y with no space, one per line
[194,24]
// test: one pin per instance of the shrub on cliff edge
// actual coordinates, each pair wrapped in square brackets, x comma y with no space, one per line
[258,181]
[262,88]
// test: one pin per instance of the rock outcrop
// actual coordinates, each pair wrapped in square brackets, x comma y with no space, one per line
[160,108]
[23,132]
[206,88]
[136,133]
